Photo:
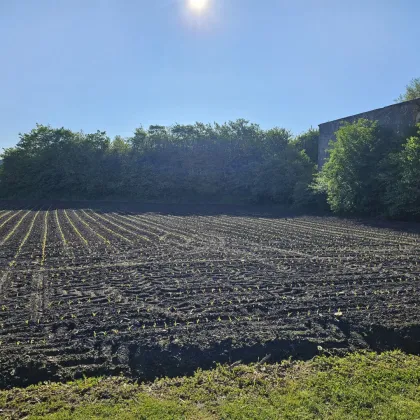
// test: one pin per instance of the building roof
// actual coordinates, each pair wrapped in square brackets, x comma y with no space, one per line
[399,104]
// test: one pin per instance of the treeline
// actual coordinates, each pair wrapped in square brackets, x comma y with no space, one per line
[235,161]
[370,170]
[373,171]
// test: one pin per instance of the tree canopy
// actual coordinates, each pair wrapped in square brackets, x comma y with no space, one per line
[412,91]
[308,141]
[372,171]
[236,160]
[403,193]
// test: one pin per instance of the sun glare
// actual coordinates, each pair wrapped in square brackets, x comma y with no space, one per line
[198,5]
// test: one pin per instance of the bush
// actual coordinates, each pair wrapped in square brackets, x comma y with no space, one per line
[236,159]
[353,177]
[308,141]
[372,171]
[403,194]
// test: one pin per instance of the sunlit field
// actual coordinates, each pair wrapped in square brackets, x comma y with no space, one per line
[148,293]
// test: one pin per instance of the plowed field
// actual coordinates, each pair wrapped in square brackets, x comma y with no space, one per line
[91,290]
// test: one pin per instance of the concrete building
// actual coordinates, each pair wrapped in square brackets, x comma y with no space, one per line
[397,117]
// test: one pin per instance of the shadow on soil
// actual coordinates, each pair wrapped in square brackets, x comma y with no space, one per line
[205,209]
[148,363]
[176,361]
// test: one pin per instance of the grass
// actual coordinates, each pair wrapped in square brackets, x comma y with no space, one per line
[358,386]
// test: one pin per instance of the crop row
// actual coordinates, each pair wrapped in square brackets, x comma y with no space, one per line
[78,285]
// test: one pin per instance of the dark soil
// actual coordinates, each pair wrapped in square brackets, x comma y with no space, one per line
[152,292]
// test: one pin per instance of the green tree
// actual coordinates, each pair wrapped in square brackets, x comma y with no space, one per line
[412,91]
[235,161]
[139,141]
[38,165]
[353,177]
[308,141]
[403,195]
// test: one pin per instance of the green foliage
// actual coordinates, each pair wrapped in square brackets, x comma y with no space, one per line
[403,194]
[357,173]
[412,91]
[369,170]
[308,141]
[236,159]
[372,171]
[358,386]
[47,162]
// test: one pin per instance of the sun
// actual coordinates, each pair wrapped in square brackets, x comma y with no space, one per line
[198,5]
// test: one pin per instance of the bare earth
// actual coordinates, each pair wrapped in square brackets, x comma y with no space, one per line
[107,289]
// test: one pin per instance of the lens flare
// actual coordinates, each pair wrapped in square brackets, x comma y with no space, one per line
[198,5]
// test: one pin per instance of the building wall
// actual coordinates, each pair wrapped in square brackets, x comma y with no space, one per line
[398,117]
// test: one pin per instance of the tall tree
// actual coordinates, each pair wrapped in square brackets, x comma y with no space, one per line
[412,91]
[403,195]
[353,175]
[308,141]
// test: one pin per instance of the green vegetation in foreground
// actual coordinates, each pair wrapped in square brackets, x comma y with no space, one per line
[358,386]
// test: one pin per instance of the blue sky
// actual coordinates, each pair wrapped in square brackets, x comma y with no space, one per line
[116,65]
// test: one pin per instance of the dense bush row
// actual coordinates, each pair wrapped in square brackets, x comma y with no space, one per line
[234,161]
[370,169]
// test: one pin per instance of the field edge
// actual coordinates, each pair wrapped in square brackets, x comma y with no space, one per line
[359,385]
